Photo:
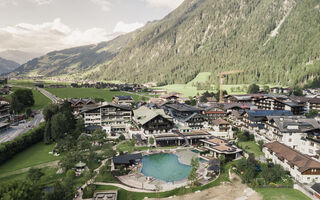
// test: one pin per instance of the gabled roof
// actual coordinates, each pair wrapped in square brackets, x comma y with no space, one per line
[302,161]
[126,159]
[123,97]
[316,187]
[143,114]
[220,122]
[293,124]
[183,107]
[93,107]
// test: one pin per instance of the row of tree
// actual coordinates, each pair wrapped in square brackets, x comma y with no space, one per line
[22,142]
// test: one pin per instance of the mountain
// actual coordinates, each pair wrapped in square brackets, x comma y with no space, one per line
[7,66]
[74,63]
[20,57]
[271,41]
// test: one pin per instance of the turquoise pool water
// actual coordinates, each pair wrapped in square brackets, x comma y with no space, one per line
[164,167]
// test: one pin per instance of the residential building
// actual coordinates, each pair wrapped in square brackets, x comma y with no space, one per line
[4,109]
[214,112]
[217,147]
[127,160]
[152,121]
[297,132]
[222,129]
[78,103]
[124,100]
[113,118]
[316,190]
[302,168]
[186,115]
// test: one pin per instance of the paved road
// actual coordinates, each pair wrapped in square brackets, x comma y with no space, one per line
[51,96]
[15,131]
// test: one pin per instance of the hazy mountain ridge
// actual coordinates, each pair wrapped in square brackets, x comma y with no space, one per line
[20,57]
[7,65]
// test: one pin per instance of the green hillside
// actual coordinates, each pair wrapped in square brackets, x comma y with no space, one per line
[272,41]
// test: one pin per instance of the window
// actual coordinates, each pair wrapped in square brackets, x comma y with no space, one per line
[290,140]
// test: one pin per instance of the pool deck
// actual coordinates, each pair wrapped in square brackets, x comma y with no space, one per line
[136,179]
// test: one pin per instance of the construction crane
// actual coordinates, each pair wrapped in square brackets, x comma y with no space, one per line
[222,76]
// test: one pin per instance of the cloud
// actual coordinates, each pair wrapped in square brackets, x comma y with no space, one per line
[122,27]
[172,4]
[41,2]
[16,2]
[105,4]
[48,36]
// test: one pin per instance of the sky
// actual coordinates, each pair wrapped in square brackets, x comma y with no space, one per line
[45,25]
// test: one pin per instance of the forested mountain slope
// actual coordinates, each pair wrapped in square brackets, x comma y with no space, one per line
[272,41]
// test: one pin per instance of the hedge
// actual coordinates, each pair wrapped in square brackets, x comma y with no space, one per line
[20,143]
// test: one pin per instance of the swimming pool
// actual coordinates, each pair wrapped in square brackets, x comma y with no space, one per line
[165,167]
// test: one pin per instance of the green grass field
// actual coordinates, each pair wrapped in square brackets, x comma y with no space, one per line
[40,101]
[281,194]
[252,147]
[88,92]
[35,155]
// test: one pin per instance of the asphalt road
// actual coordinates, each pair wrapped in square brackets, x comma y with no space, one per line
[15,131]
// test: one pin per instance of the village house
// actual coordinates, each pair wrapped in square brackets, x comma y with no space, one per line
[4,109]
[280,90]
[214,112]
[124,100]
[111,117]
[222,129]
[302,168]
[218,147]
[297,132]
[152,121]
[78,103]
[254,119]
[186,115]
[127,160]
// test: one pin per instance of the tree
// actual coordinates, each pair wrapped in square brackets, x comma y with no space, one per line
[21,98]
[260,143]
[34,174]
[312,114]
[28,112]
[47,137]
[49,111]
[253,89]
[68,112]
[59,126]
[266,88]
[193,174]
[297,91]
[151,140]
[121,137]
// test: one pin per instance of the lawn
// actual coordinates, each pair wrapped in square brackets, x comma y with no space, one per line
[251,147]
[35,155]
[40,101]
[89,92]
[281,194]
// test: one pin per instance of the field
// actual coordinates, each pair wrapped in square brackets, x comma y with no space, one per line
[35,155]
[89,92]
[251,147]
[281,194]
[40,101]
